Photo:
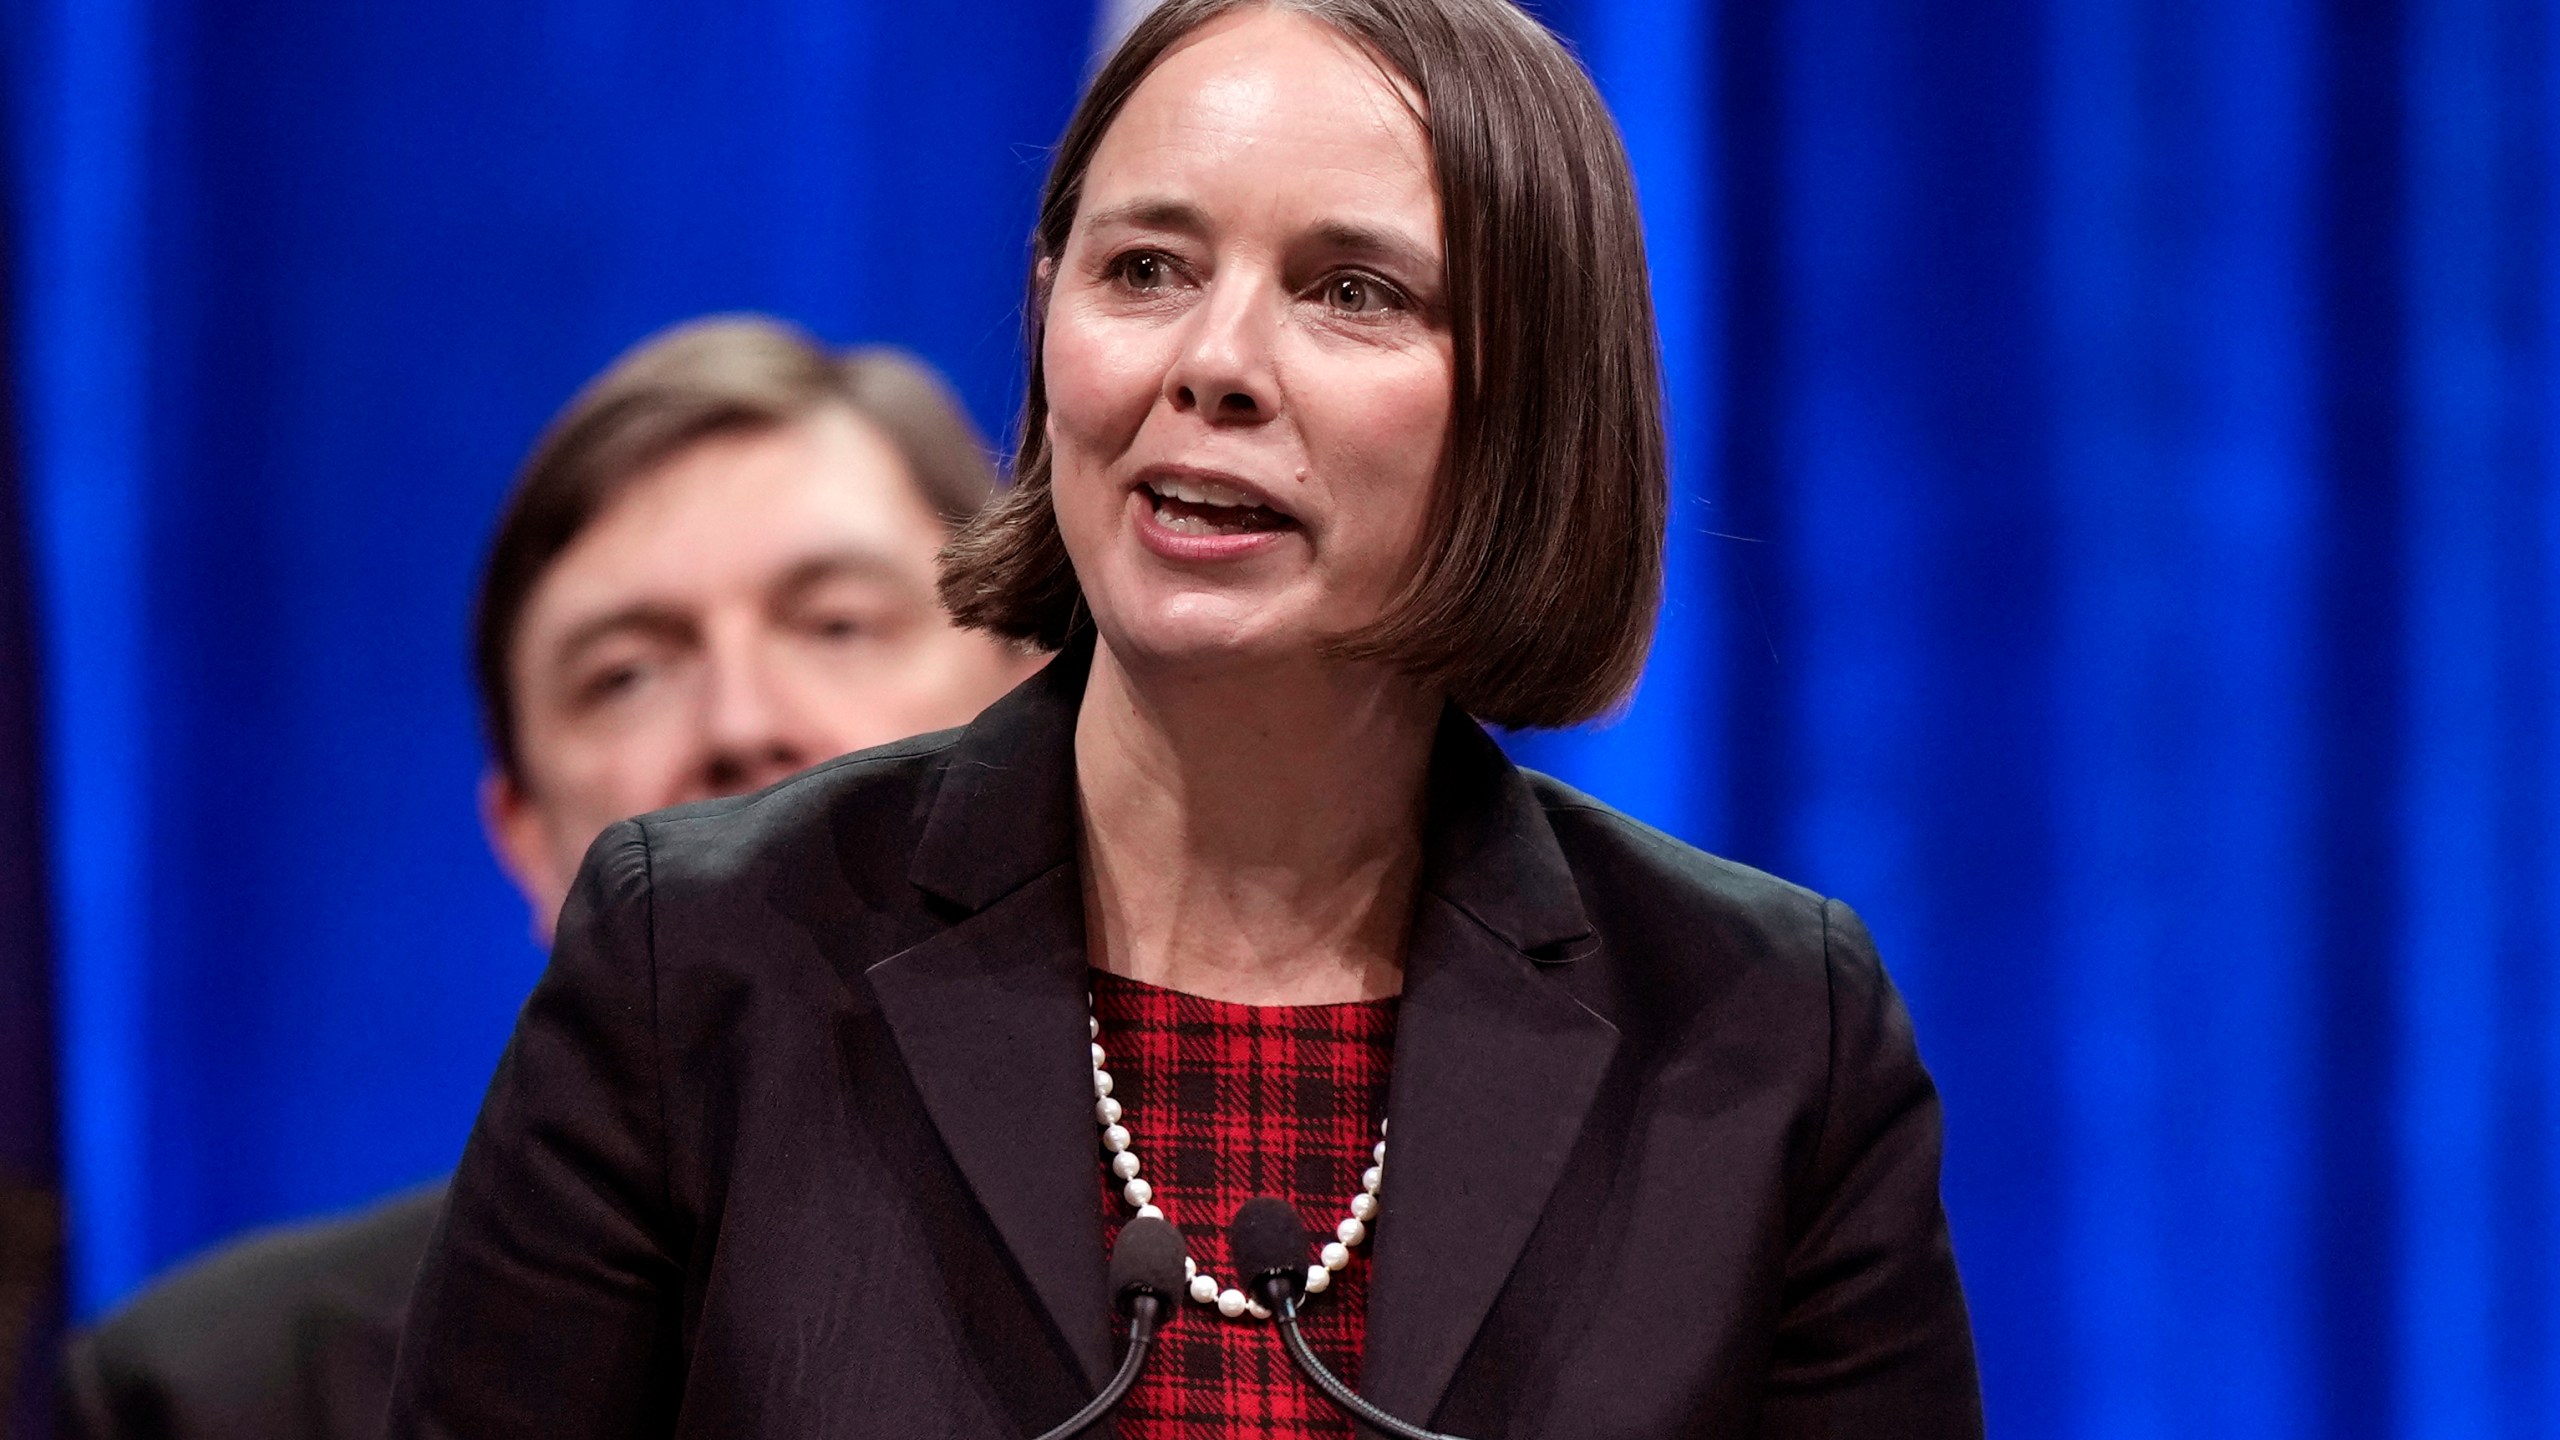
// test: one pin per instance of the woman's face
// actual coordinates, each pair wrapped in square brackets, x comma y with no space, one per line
[1248,349]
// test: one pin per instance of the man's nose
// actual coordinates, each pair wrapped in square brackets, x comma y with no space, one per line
[749,740]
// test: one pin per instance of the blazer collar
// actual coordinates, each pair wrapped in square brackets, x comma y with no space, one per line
[1488,850]
[1006,809]
[1006,812]
[1495,1064]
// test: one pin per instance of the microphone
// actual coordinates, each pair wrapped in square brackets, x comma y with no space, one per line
[1269,1245]
[1146,1286]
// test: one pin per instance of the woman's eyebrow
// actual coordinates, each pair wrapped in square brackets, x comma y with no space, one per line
[1344,237]
[1152,213]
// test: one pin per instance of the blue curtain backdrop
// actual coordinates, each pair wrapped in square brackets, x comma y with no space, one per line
[2118,549]
[30,1161]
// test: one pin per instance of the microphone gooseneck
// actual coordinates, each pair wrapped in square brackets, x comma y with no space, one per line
[1269,1245]
[1146,1286]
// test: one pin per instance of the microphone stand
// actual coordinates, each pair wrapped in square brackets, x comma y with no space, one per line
[1145,1309]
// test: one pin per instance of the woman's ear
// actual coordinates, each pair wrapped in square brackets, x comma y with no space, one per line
[1044,278]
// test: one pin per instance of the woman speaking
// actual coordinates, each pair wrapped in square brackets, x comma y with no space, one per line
[1342,436]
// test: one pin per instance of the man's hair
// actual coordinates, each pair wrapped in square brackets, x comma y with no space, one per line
[1534,599]
[728,375]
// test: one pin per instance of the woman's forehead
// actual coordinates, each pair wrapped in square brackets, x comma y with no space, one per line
[1268,88]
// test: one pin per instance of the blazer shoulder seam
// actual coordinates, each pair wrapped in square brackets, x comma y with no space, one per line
[1626,824]
[924,750]
[1812,1160]
[657,1027]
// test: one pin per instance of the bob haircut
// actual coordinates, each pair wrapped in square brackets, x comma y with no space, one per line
[725,375]
[1532,603]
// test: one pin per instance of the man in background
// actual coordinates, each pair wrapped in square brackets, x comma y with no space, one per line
[716,569]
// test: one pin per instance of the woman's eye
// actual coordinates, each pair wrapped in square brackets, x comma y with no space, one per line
[1144,270]
[1358,294]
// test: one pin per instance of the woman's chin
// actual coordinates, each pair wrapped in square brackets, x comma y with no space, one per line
[1203,636]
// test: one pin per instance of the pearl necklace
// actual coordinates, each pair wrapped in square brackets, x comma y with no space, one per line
[1140,1196]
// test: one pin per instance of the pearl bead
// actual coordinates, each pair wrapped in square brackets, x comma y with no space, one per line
[1204,1288]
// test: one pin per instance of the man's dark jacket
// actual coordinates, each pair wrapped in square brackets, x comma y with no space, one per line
[796,1135]
[286,1335]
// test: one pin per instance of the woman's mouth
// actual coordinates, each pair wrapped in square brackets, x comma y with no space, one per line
[1187,505]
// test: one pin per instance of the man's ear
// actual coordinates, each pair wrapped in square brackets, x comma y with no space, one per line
[521,841]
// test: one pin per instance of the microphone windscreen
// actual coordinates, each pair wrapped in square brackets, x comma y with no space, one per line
[1266,1238]
[1148,1256]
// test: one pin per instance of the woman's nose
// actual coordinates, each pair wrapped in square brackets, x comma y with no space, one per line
[1223,372]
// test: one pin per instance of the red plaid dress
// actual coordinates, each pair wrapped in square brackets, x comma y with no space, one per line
[1223,1103]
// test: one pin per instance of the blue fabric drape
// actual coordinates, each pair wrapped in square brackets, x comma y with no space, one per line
[2115,549]
[30,1159]
[2120,490]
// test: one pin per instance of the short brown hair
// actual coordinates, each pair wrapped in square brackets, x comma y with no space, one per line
[725,375]
[1534,601]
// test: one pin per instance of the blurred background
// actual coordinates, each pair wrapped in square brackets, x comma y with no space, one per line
[2117,549]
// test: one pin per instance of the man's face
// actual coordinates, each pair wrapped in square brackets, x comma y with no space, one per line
[755,604]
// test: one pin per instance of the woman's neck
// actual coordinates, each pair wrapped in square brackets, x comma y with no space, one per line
[1253,837]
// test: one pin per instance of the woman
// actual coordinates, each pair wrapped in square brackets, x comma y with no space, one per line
[1342,430]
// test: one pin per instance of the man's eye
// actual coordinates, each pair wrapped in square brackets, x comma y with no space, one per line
[610,682]
[837,627]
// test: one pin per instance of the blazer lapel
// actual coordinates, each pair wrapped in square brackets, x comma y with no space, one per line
[989,1018]
[989,1015]
[1495,1067]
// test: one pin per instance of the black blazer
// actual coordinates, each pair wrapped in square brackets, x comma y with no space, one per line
[287,1334]
[796,1137]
